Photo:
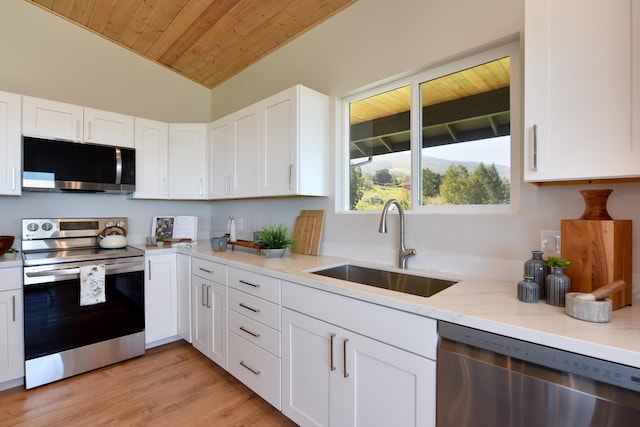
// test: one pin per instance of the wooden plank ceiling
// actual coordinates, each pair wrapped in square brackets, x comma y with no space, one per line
[207,41]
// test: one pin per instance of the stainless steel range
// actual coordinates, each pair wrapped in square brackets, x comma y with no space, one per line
[83,305]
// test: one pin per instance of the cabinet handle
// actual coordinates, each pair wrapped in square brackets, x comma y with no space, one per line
[208,299]
[204,296]
[201,190]
[291,177]
[247,331]
[249,283]
[255,310]
[78,124]
[331,365]
[244,365]
[13,178]
[89,136]
[206,271]
[344,356]
[534,149]
[149,268]
[14,307]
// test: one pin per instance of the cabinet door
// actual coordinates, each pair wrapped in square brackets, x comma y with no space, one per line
[152,150]
[51,119]
[244,165]
[10,144]
[278,144]
[311,370]
[11,336]
[209,313]
[200,314]
[384,385]
[578,89]
[183,274]
[220,155]
[161,298]
[105,127]
[187,161]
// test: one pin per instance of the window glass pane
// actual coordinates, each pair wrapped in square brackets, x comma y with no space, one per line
[466,137]
[380,150]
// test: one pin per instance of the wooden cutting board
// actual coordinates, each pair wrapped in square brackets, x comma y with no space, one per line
[601,252]
[308,232]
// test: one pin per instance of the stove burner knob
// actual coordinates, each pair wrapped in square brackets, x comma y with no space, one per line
[108,224]
[120,224]
[32,226]
[47,226]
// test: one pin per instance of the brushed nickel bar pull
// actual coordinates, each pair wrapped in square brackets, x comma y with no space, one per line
[208,299]
[203,294]
[291,177]
[244,365]
[255,310]
[14,307]
[344,355]
[331,365]
[534,166]
[247,331]
[206,271]
[89,136]
[13,178]
[78,129]
[249,283]
[148,263]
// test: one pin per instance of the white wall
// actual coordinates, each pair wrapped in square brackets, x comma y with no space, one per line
[376,40]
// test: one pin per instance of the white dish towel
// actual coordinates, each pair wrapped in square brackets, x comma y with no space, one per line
[92,284]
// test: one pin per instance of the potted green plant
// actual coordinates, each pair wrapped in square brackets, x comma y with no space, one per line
[277,240]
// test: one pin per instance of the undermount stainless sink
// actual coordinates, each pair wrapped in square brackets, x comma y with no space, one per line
[401,282]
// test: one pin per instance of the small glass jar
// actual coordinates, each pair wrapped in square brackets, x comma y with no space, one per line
[536,268]
[528,290]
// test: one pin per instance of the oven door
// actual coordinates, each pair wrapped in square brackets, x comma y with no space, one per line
[54,319]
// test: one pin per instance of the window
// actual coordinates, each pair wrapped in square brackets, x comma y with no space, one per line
[452,124]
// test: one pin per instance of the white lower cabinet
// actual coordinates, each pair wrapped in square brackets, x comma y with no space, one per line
[335,376]
[11,325]
[254,332]
[209,309]
[161,299]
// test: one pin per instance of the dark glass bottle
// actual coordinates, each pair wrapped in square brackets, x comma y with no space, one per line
[536,268]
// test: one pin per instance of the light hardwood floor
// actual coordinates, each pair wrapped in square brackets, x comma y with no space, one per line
[171,385]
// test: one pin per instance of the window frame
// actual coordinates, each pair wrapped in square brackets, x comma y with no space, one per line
[477,57]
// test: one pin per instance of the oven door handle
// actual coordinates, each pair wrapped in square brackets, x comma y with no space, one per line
[76,270]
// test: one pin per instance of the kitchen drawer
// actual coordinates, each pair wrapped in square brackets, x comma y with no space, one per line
[255,308]
[209,270]
[255,284]
[256,368]
[255,332]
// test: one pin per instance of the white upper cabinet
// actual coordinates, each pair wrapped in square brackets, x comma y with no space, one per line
[152,151]
[58,120]
[234,150]
[579,90]
[188,161]
[294,143]
[52,119]
[105,127]
[10,144]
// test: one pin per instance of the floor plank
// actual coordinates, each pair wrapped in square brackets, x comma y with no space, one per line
[171,385]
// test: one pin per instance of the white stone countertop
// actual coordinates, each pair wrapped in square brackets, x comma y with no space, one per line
[488,305]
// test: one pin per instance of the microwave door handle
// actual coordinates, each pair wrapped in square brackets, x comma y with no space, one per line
[118,166]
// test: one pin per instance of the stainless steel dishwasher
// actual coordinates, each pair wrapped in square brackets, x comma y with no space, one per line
[484,379]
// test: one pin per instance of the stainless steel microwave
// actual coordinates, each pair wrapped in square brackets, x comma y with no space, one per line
[55,165]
